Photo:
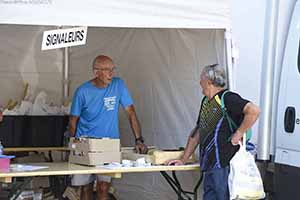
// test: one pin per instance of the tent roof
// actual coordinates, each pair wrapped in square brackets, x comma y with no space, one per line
[118,13]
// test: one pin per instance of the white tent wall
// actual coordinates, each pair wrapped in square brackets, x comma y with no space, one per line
[22,61]
[162,69]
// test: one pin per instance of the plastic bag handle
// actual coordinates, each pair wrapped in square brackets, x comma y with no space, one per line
[243,145]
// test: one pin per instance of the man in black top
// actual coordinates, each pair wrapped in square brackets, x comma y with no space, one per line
[218,143]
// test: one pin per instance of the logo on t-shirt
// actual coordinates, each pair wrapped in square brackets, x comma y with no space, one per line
[214,110]
[110,102]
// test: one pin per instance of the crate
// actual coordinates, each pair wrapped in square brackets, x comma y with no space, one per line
[90,151]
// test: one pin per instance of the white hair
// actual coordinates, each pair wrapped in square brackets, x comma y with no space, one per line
[216,74]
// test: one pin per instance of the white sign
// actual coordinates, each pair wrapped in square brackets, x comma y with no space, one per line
[59,38]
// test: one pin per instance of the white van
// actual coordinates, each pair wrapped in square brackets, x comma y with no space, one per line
[287,154]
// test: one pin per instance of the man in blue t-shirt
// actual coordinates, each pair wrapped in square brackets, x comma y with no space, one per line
[94,113]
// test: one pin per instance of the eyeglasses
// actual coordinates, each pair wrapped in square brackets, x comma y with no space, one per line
[106,69]
[213,65]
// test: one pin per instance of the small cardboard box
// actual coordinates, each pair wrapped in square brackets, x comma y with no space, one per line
[90,151]
[93,158]
[128,153]
[163,156]
[155,156]
[94,145]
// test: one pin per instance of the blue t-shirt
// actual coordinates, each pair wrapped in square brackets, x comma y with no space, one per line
[98,108]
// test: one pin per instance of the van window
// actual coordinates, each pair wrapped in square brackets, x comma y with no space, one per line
[299,57]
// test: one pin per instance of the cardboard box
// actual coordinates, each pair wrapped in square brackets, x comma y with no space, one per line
[155,156]
[90,151]
[94,145]
[128,153]
[93,158]
[163,156]
[72,193]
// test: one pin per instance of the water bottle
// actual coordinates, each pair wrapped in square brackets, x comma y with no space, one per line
[1,148]
[1,114]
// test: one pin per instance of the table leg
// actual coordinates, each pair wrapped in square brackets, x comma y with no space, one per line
[176,186]
[17,189]
[197,187]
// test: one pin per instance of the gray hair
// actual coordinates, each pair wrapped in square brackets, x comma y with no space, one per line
[216,74]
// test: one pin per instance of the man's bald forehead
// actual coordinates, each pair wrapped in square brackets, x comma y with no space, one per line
[102,60]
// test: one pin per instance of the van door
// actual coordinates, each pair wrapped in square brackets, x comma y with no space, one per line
[288,119]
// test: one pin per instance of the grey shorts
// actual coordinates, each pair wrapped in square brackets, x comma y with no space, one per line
[84,179]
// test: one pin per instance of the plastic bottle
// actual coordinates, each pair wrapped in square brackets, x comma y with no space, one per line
[1,114]
[1,148]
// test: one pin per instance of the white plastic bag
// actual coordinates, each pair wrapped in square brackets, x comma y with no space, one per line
[244,179]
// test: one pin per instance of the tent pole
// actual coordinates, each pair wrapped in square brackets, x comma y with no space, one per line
[229,63]
[66,75]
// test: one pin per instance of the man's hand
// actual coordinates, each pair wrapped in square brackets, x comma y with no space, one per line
[176,162]
[236,137]
[73,120]
[141,148]
[251,113]
[71,134]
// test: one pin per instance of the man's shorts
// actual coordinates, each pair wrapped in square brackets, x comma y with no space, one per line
[84,179]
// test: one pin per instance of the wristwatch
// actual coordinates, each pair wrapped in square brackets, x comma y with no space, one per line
[139,139]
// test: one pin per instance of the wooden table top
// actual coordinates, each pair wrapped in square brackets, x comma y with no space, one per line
[32,149]
[65,168]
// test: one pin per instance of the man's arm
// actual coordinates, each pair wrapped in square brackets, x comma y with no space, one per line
[191,145]
[136,129]
[251,113]
[73,120]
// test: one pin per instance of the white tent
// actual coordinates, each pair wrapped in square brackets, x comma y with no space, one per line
[118,13]
[159,48]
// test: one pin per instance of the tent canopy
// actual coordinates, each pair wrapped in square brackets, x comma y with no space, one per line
[118,13]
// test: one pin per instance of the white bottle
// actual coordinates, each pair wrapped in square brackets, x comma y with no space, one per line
[1,148]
